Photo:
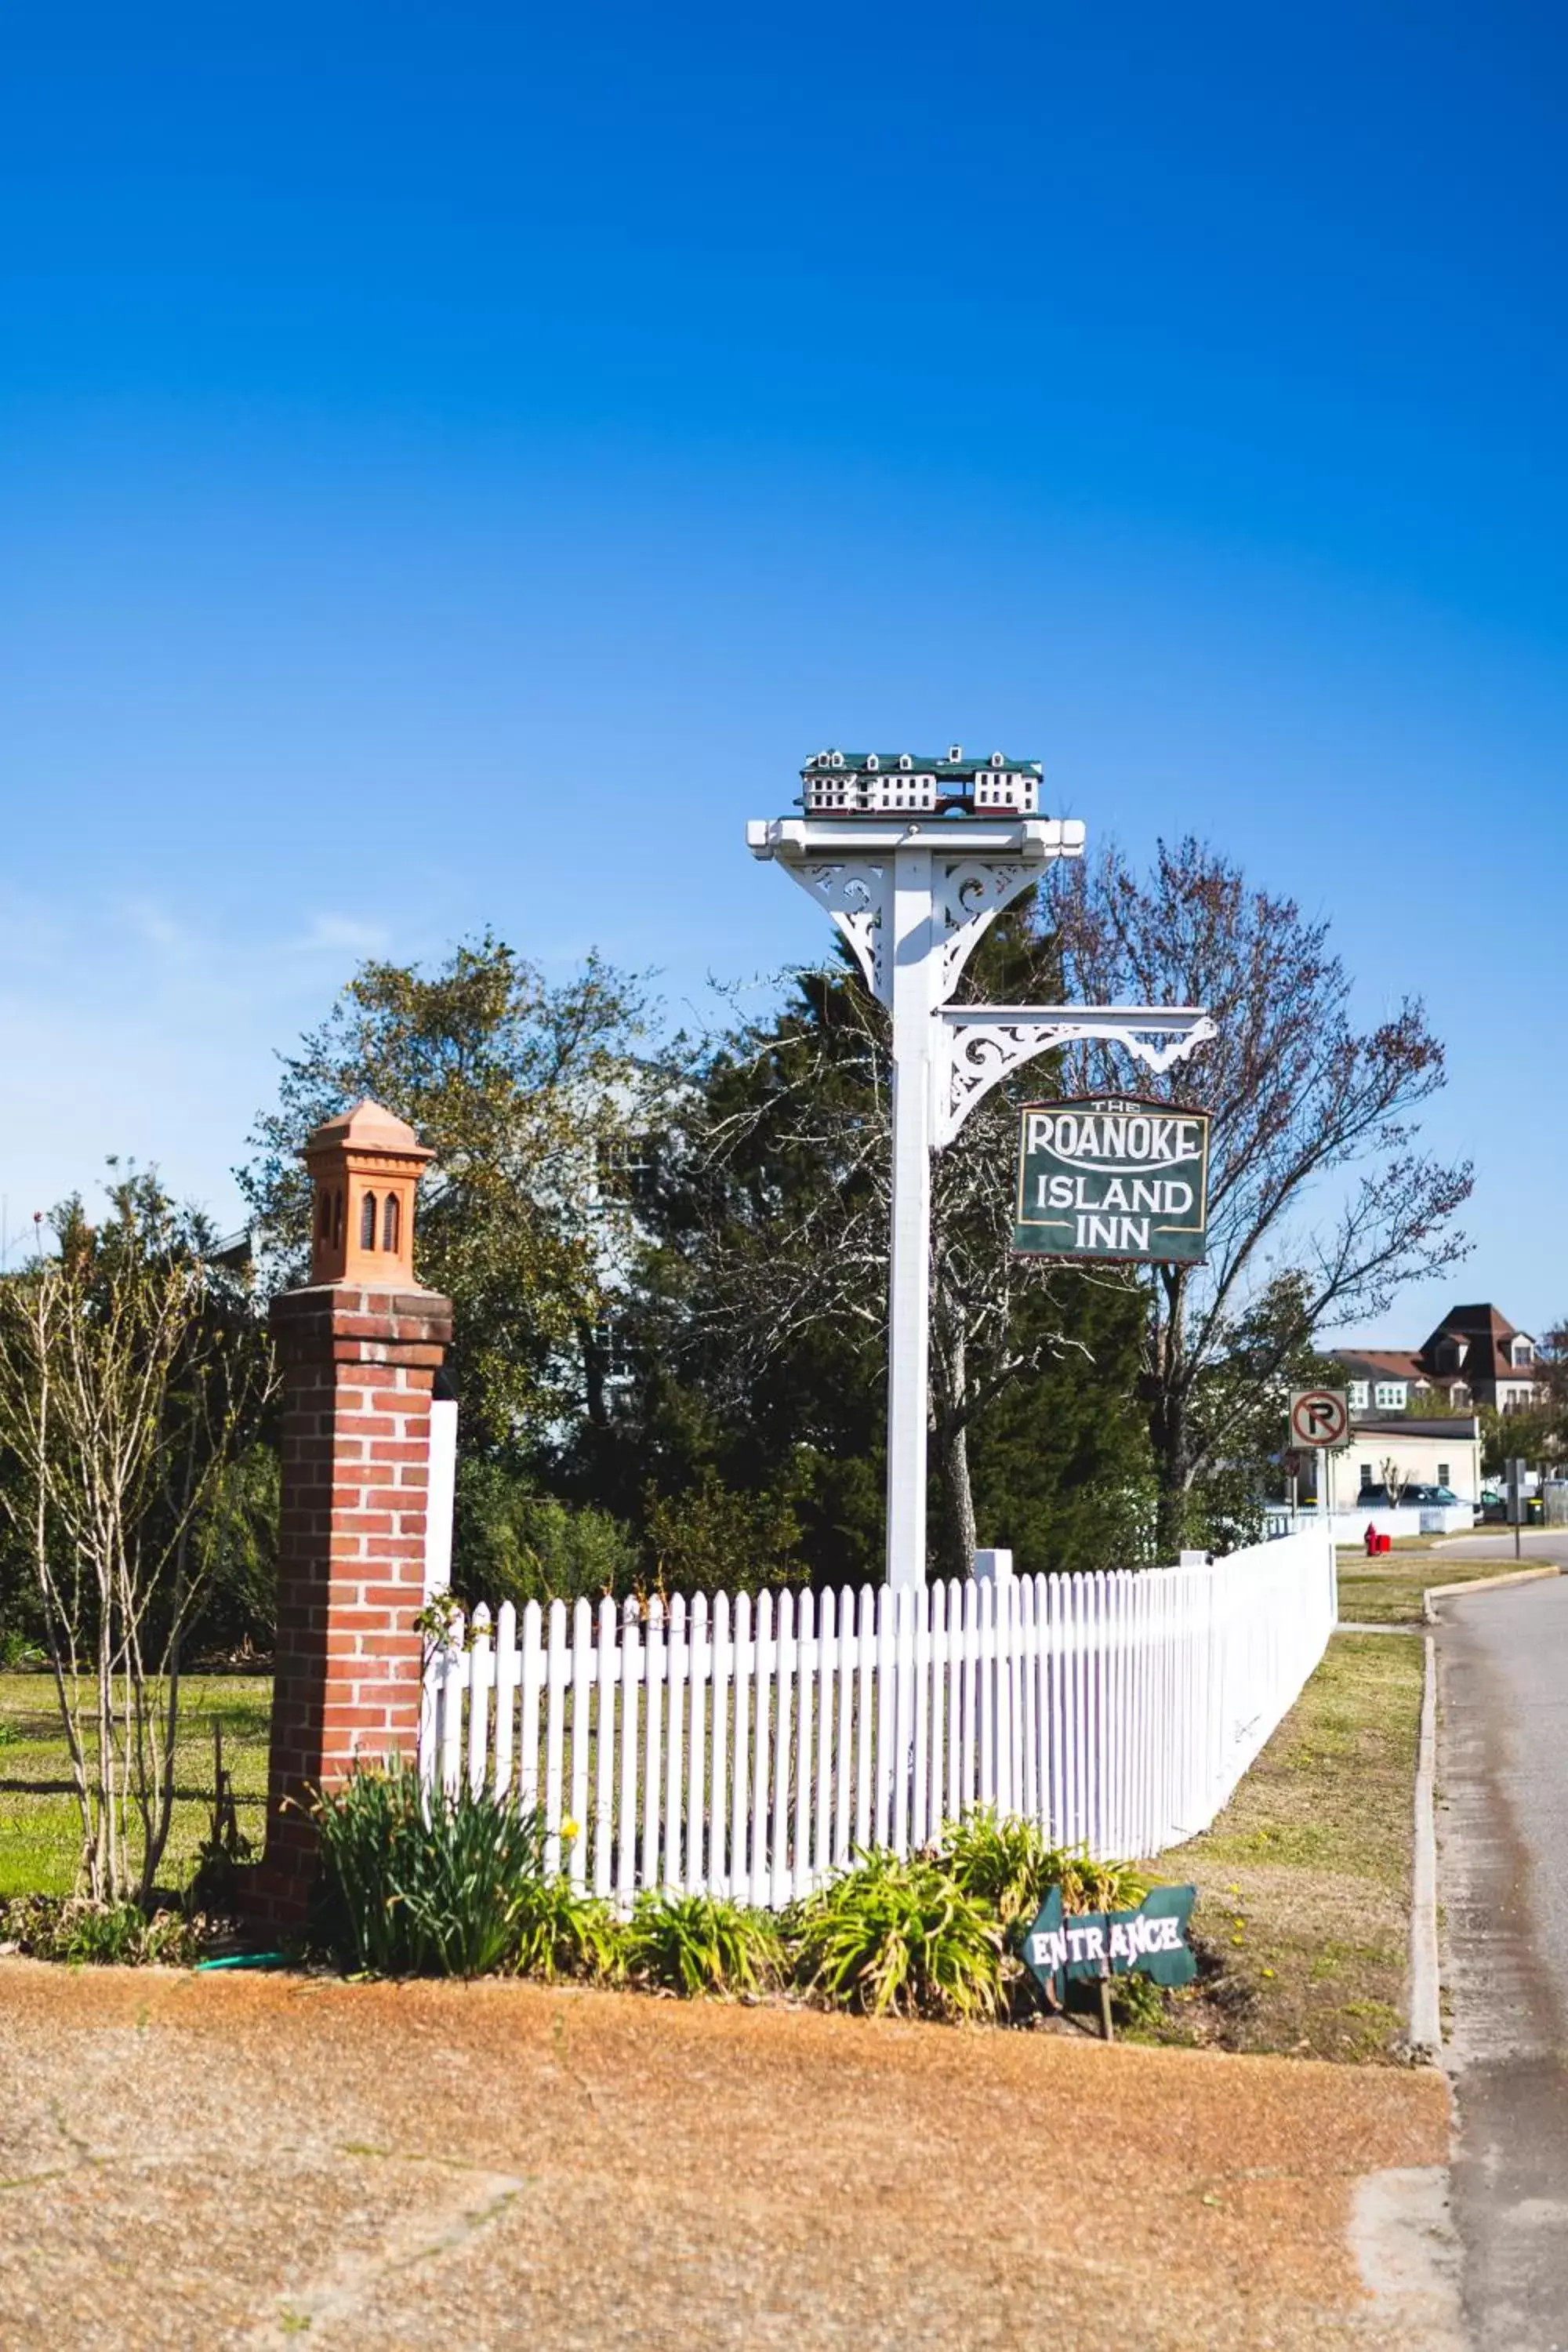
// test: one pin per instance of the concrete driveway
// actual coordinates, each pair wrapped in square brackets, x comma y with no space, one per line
[248,2161]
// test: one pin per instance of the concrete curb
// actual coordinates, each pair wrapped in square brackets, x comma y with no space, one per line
[1425,2008]
[1435,1593]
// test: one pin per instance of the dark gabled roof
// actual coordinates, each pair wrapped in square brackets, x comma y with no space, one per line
[1484,1337]
[1483,1322]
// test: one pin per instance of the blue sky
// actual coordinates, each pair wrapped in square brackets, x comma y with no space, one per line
[453,464]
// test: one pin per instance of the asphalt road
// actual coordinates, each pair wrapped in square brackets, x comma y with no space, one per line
[1503,1830]
[1538,1546]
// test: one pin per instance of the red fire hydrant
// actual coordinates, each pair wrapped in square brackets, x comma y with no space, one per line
[1371,1540]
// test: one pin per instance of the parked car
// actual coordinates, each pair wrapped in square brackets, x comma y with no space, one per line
[1493,1509]
[1375,1498]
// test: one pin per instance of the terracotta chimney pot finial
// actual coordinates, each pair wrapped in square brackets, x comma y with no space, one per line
[364,1169]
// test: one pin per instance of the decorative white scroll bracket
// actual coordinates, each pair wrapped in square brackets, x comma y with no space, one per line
[981,1044]
[976,870]
[855,896]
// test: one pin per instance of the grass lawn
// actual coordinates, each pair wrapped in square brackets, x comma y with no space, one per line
[1387,1591]
[40,1834]
[1304,1880]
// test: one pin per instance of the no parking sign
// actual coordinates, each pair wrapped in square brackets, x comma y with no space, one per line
[1319,1416]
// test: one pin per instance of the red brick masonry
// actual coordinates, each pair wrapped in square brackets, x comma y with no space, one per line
[358,1365]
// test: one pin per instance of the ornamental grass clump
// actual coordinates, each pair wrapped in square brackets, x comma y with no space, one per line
[694,1944]
[901,1937]
[1008,1865]
[1005,1865]
[1090,1886]
[424,1882]
[561,1932]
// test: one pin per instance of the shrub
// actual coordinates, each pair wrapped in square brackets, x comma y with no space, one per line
[901,1937]
[719,1538]
[109,1935]
[518,1545]
[561,1932]
[423,1884]
[697,1943]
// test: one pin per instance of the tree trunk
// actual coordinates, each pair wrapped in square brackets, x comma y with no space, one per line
[1172,1478]
[949,1381]
[955,1551]
[1169,1434]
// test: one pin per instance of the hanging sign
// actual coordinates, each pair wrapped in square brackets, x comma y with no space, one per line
[1110,1176]
[1149,1942]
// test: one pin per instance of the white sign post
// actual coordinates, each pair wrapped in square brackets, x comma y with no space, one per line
[912,899]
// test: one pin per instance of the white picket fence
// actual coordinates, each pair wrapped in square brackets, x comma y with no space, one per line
[747,1748]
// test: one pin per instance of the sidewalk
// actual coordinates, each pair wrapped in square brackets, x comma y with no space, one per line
[263,2160]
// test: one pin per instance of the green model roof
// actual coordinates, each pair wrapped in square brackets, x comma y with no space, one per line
[922,763]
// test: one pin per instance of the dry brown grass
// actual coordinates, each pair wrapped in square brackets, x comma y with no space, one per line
[1304,1881]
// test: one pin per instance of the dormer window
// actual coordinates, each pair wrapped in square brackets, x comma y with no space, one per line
[872,762]
[955,750]
[905,761]
[998,759]
[1523,1353]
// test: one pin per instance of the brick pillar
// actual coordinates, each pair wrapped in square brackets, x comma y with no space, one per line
[358,1364]
[359,1351]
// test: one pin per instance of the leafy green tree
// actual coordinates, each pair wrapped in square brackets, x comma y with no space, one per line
[522,1091]
[1538,1436]
[1321,1206]
[758,1326]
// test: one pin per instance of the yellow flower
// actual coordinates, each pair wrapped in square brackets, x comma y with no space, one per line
[1266,1972]
[571,1829]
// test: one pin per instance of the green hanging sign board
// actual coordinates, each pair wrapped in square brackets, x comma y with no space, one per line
[1149,1942]
[1111,1176]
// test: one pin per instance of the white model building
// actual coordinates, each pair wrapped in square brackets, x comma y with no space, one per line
[909,783]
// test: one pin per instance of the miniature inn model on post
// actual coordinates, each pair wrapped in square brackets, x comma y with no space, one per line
[912,856]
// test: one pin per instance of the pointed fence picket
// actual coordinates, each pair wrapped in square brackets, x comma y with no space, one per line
[746,1744]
